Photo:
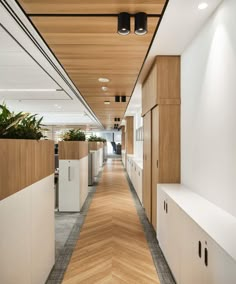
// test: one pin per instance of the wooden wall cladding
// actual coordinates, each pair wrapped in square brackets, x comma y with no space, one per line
[162,84]
[24,162]
[123,137]
[72,150]
[129,135]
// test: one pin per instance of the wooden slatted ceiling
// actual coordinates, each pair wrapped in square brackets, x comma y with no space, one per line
[92,6]
[89,47]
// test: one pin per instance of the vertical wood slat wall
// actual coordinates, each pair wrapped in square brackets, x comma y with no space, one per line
[161,102]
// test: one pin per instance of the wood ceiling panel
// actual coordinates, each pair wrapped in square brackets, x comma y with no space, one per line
[89,47]
[91,6]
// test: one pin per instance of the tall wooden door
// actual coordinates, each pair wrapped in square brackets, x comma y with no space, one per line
[147,194]
[155,162]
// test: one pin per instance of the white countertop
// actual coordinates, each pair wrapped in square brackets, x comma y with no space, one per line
[217,223]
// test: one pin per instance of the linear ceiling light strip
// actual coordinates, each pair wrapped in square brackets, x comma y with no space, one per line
[24,28]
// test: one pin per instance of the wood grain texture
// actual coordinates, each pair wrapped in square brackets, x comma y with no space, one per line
[123,137]
[149,90]
[88,46]
[129,135]
[169,144]
[162,84]
[72,150]
[147,162]
[94,146]
[24,162]
[112,247]
[92,6]
[155,162]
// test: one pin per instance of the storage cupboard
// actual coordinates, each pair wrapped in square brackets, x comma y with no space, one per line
[189,236]
[161,117]
[73,175]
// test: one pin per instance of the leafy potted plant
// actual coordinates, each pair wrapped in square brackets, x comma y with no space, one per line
[74,135]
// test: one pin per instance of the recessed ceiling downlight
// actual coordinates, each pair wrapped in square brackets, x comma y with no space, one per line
[202,6]
[103,80]
[104,88]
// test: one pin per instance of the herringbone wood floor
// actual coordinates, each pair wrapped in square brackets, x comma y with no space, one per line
[112,247]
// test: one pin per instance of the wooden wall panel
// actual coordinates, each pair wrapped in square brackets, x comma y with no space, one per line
[123,137]
[168,77]
[155,162]
[24,162]
[149,91]
[169,149]
[72,150]
[147,194]
[129,135]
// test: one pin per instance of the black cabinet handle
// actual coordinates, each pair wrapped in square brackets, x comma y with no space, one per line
[164,206]
[199,249]
[206,256]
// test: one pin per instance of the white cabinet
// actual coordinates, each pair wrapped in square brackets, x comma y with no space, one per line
[73,184]
[189,233]
[168,233]
[135,173]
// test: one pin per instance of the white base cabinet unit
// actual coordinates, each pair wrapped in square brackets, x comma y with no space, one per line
[197,238]
[73,184]
[73,175]
[134,168]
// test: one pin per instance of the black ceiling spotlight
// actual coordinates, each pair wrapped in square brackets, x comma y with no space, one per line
[115,119]
[123,99]
[140,23]
[118,119]
[123,23]
[117,99]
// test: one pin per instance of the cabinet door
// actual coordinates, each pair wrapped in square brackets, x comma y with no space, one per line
[221,267]
[192,243]
[173,235]
[69,185]
[155,162]
[161,220]
[147,195]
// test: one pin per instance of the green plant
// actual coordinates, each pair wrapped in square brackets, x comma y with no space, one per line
[20,125]
[74,135]
[95,138]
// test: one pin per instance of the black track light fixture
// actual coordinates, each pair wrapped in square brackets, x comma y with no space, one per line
[123,99]
[140,23]
[123,23]
[117,99]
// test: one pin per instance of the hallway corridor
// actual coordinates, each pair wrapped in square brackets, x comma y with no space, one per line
[112,247]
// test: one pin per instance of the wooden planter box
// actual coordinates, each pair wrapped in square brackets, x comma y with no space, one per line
[73,175]
[26,210]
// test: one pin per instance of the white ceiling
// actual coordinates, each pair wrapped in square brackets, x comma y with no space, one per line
[180,24]
[21,69]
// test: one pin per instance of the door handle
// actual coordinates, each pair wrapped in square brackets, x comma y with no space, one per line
[206,257]
[69,179]
[199,249]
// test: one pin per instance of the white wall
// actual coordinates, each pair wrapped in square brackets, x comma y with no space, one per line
[209,110]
